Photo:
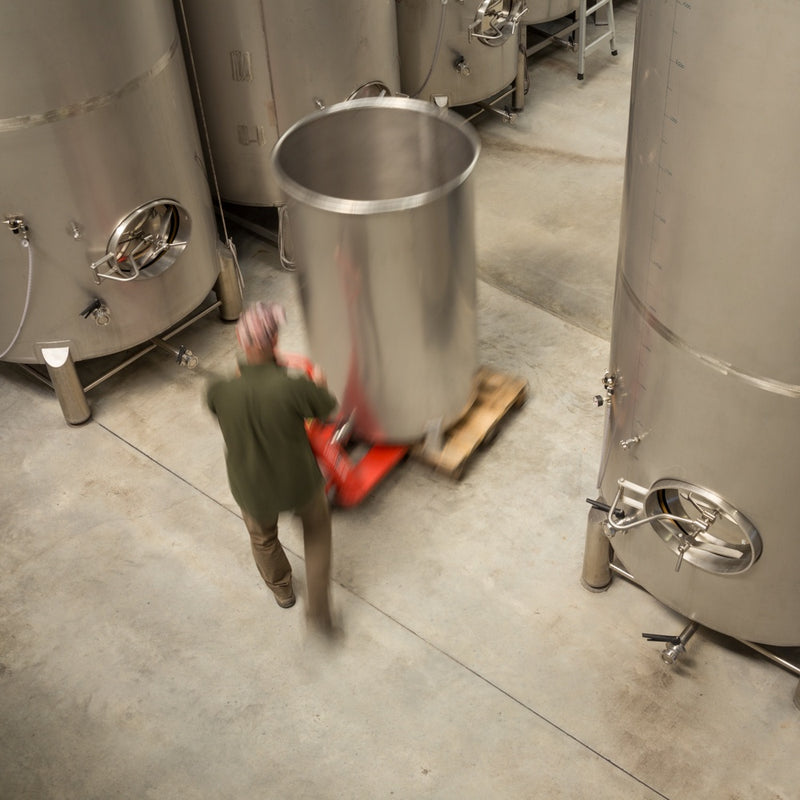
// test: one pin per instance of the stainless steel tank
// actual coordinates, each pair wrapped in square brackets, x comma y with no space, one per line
[380,208]
[546,10]
[264,64]
[110,235]
[458,52]
[703,428]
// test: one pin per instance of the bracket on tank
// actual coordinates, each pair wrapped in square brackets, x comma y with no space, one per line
[496,21]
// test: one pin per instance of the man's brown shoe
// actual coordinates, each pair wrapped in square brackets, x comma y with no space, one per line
[286,602]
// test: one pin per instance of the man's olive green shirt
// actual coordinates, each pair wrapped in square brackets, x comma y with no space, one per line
[262,414]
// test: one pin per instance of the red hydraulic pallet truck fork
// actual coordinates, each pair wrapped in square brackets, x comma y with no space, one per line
[348,482]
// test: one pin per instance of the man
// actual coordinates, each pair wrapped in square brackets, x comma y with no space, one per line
[271,468]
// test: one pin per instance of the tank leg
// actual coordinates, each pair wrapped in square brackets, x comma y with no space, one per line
[797,696]
[67,385]
[522,74]
[596,576]
[228,288]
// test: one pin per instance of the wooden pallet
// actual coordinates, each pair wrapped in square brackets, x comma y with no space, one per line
[497,394]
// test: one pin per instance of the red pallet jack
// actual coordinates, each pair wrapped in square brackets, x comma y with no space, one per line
[348,481]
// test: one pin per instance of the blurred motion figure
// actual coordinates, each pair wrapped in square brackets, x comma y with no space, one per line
[271,467]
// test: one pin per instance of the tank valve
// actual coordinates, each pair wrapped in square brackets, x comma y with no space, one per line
[100,312]
[17,225]
[677,644]
[609,384]
[626,444]
[462,68]
[186,358]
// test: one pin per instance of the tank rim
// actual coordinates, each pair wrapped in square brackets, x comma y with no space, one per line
[341,205]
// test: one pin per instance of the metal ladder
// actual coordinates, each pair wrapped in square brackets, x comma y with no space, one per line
[584,47]
[565,34]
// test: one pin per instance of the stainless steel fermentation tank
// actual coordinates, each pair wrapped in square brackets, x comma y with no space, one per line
[264,64]
[381,207]
[458,52]
[547,10]
[110,236]
[701,460]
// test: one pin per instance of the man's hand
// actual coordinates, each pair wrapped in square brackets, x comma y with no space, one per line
[318,376]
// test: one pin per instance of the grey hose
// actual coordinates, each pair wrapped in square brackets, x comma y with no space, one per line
[24,243]
[435,50]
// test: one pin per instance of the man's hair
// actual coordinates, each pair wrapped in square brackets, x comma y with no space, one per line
[258,325]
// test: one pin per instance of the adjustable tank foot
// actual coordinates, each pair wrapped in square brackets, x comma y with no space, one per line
[228,287]
[521,80]
[596,575]
[67,385]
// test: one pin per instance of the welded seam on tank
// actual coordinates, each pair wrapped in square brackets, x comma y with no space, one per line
[760,382]
[92,103]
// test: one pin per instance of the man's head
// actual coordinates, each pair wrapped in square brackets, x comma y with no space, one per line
[257,330]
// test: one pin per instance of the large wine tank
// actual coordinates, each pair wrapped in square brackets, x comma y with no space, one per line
[264,64]
[703,427]
[380,203]
[458,52]
[110,235]
[547,10]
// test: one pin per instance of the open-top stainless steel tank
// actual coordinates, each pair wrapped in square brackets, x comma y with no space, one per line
[110,235]
[264,64]
[381,213]
[547,10]
[458,51]
[703,426]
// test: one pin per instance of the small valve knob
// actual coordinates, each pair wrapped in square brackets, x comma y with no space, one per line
[462,68]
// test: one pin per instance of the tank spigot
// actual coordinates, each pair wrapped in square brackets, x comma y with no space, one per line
[609,384]
[17,225]
[461,67]
[100,312]
[677,644]
[186,358]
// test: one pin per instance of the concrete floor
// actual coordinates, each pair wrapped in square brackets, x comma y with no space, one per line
[142,657]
